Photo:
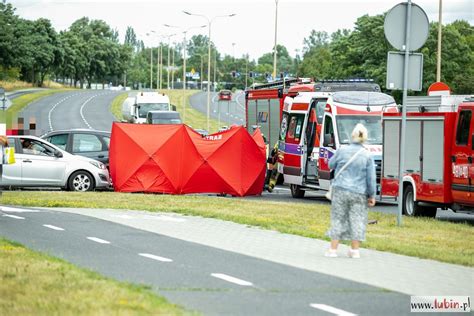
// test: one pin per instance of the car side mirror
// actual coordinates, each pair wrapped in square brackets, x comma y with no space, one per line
[173,107]
[58,154]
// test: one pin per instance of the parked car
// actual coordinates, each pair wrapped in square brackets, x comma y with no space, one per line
[84,142]
[163,117]
[225,95]
[42,164]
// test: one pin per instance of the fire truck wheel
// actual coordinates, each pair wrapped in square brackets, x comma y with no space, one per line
[296,191]
[411,208]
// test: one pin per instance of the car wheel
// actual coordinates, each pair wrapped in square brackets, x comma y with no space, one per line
[81,181]
[296,191]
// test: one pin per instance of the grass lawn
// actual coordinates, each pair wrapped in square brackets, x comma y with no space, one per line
[180,99]
[418,237]
[36,284]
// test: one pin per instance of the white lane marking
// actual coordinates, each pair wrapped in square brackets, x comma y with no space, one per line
[100,241]
[231,279]
[237,101]
[53,227]
[13,216]
[17,210]
[82,109]
[157,258]
[54,107]
[332,310]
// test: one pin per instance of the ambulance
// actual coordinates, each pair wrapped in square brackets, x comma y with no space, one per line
[316,123]
[439,154]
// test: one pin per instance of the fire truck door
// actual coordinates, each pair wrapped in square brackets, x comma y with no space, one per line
[462,159]
[326,151]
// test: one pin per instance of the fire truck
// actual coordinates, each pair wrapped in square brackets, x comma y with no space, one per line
[439,153]
[331,109]
[264,106]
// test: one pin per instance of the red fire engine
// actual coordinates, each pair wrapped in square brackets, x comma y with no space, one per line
[264,106]
[439,153]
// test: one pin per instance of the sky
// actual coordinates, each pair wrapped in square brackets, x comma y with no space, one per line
[252,29]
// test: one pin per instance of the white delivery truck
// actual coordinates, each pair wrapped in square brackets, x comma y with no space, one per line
[136,111]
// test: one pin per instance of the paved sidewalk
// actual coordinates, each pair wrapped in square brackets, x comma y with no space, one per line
[399,273]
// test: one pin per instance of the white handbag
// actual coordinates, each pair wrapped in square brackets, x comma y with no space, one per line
[329,192]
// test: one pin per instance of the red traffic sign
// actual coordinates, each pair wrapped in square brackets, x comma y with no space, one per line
[439,88]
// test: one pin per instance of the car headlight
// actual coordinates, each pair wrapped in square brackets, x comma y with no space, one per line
[98,164]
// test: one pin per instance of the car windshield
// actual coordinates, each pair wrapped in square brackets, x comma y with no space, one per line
[147,107]
[346,123]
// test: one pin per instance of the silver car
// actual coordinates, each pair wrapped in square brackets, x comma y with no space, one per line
[41,164]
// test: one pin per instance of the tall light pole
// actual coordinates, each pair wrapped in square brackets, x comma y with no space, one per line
[168,71]
[275,46]
[438,59]
[209,23]
[184,47]
[151,64]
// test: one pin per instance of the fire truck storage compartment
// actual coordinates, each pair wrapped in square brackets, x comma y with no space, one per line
[265,113]
[424,148]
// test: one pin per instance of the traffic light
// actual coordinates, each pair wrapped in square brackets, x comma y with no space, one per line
[234,74]
[251,74]
[282,75]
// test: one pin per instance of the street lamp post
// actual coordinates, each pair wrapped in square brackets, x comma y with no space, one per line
[151,64]
[168,71]
[275,46]
[209,23]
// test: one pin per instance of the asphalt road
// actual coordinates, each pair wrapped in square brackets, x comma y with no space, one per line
[229,113]
[202,278]
[88,109]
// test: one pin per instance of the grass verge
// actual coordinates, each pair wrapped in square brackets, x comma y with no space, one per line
[11,85]
[18,104]
[116,106]
[418,237]
[36,284]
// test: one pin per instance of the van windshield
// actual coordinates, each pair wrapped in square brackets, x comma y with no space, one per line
[147,107]
[346,123]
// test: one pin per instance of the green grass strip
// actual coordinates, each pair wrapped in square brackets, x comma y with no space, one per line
[116,106]
[32,283]
[418,237]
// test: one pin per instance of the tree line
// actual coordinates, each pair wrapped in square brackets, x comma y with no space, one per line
[90,51]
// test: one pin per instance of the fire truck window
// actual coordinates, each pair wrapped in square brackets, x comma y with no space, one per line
[462,133]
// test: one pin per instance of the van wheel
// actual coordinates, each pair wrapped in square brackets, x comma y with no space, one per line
[296,191]
[81,181]
[411,208]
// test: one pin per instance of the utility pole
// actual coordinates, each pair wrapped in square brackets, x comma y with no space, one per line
[440,27]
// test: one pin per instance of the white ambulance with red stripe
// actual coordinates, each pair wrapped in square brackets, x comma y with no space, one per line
[315,124]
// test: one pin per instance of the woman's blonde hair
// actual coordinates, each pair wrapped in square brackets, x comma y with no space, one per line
[359,134]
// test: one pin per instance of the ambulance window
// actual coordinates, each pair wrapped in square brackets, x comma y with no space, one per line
[328,131]
[462,133]
[295,127]
[284,126]
[320,106]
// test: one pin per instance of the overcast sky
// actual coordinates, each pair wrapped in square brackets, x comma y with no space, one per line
[250,31]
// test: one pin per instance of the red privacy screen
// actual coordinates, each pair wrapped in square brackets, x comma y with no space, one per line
[174,159]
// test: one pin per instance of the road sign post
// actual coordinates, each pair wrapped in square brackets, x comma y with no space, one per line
[413,35]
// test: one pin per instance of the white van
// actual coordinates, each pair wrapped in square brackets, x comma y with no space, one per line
[145,102]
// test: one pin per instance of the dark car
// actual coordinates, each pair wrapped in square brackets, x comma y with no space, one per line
[163,117]
[84,142]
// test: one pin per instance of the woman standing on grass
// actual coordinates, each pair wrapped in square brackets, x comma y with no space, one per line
[353,189]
